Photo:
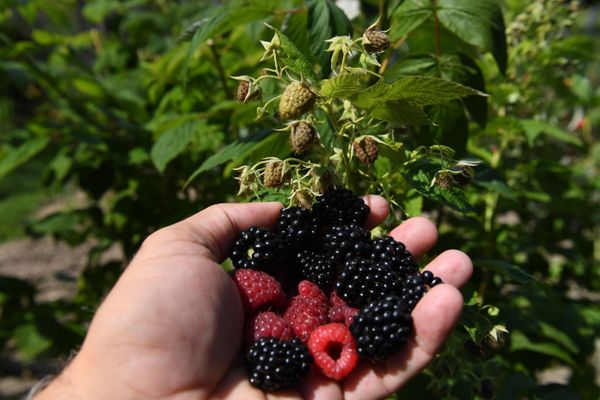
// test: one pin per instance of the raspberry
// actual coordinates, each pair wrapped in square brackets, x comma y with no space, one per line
[242,92]
[340,311]
[256,248]
[258,290]
[309,289]
[301,136]
[267,324]
[381,328]
[333,350]
[375,41]
[347,242]
[275,364]
[295,227]
[389,251]
[339,206]
[317,268]
[273,174]
[296,100]
[362,281]
[444,179]
[303,198]
[366,150]
[306,311]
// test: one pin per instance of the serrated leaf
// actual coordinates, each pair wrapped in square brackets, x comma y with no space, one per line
[14,157]
[223,19]
[533,128]
[294,27]
[419,175]
[294,59]
[400,112]
[341,86]
[175,140]
[416,65]
[409,16]
[512,271]
[325,20]
[479,23]
[518,341]
[419,90]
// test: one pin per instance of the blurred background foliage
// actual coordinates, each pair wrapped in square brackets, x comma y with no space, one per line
[128,105]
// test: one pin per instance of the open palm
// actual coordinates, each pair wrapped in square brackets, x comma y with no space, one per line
[171,327]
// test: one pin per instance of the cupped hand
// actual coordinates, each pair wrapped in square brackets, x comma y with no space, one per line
[171,327]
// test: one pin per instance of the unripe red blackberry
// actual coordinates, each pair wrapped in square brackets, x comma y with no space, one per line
[366,150]
[375,40]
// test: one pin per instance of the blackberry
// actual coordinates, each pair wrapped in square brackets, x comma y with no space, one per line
[256,248]
[388,250]
[339,206]
[381,328]
[317,268]
[346,242]
[295,227]
[275,364]
[413,290]
[362,281]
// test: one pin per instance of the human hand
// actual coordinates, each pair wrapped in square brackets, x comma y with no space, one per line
[171,327]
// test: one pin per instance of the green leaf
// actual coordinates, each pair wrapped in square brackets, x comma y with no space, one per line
[512,271]
[479,23]
[294,59]
[409,16]
[241,149]
[558,336]
[419,90]
[400,112]
[518,341]
[173,141]
[294,27]
[29,341]
[419,175]
[11,158]
[476,105]
[341,86]
[325,20]
[415,65]
[223,19]
[533,128]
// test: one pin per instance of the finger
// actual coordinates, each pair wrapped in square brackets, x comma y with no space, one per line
[433,319]
[315,386]
[379,210]
[453,267]
[418,235]
[219,225]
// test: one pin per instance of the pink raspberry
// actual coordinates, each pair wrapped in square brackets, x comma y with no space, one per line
[340,311]
[267,324]
[333,350]
[258,290]
[307,311]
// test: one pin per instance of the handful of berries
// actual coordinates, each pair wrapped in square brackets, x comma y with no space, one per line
[318,290]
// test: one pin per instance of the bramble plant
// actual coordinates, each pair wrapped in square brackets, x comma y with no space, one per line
[151,110]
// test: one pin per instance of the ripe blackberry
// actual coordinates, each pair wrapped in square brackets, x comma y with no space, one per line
[295,228]
[381,328]
[363,281]
[388,250]
[345,242]
[317,268]
[275,364]
[339,206]
[256,248]
[413,289]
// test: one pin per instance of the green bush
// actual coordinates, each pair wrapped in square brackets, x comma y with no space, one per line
[485,119]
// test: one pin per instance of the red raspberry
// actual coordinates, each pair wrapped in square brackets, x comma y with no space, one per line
[258,290]
[308,310]
[340,311]
[309,289]
[333,350]
[337,300]
[267,324]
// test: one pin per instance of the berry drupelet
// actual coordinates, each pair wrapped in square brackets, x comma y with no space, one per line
[275,364]
[295,228]
[346,242]
[317,268]
[387,250]
[381,328]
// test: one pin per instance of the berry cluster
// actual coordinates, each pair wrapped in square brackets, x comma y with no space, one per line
[318,290]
